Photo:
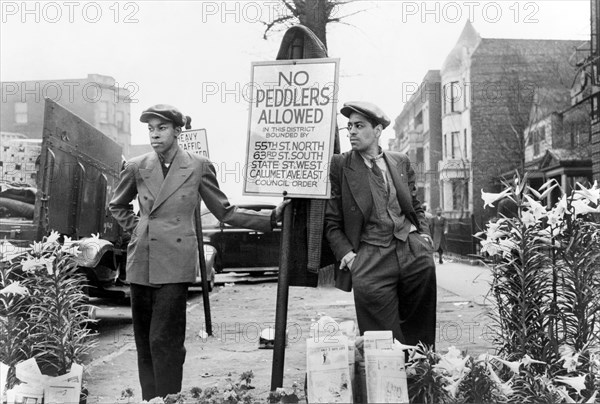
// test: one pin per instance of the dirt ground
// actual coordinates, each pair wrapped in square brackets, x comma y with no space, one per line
[239,313]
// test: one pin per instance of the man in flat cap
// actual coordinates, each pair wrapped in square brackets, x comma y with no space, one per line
[162,255]
[378,231]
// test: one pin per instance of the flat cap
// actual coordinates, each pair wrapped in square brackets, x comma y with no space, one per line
[367,109]
[168,113]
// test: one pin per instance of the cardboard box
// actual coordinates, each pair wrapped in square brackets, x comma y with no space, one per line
[35,386]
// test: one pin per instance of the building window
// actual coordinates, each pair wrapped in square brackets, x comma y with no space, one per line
[465,143]
[455,150]
[120,120]
[460,195]
[451,97]
[445,146]
[425,118]
[20,112]
[536,137]
[103,111]
[419,119]
[595,108]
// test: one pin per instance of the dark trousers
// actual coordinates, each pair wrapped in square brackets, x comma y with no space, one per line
[440,252]
[395,289]
[159,329]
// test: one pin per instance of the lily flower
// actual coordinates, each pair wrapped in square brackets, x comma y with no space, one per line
[528,361]
[14,288]
[489,198]
[32,264]
[399,345]
[535,208]
[528,219]
[452,388]
[581,207]
[546,188]
[491,247]
[592,194]
[513,366]
[571,358]
[576,382]
[8,251]
[507,246]
[53,237]
[494,230]
[452,362]
[555,216]
[416,356]
[37,248]
[505,388]
[70,246]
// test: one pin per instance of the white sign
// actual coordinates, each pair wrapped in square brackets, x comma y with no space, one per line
[194,141]
[291,128]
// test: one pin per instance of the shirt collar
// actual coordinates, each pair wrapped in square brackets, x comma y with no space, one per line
[368,160]
[162,159]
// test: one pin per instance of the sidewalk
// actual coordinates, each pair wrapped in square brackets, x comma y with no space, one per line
[468,281]
[240,312]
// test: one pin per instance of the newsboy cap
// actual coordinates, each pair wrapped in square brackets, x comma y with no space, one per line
[168,113]
[367,109]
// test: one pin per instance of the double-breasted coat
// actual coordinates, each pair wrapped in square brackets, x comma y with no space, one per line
[163,247]
[351,200]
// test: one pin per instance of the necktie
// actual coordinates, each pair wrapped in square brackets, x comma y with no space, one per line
[376,170]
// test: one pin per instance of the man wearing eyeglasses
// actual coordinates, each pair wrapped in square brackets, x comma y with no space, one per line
[378,231]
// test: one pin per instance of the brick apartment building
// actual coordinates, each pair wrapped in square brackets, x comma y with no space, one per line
[418,133]
[559,135]
[97,99]
[488,88]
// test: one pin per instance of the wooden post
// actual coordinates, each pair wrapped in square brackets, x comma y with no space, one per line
[283,283]
[203,274]
[282,299]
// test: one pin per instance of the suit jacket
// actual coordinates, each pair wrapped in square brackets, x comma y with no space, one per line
[163,247]
[351,201]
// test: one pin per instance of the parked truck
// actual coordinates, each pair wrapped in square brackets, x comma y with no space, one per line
[75,175]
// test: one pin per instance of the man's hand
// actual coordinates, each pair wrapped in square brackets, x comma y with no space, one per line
[428,238]
[279,210]
[348,260]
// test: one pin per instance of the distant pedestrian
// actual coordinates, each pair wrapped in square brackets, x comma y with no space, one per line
[439,229]
[428,216]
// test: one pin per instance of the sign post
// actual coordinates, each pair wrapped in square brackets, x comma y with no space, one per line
[195,141]
[291,136]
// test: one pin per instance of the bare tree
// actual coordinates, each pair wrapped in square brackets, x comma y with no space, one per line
[530,85]
[314,14]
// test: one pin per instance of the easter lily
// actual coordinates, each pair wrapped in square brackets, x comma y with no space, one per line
[489,198]
[14,288]
[576,382]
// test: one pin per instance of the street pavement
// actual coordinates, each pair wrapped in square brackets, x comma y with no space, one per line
[241,310]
